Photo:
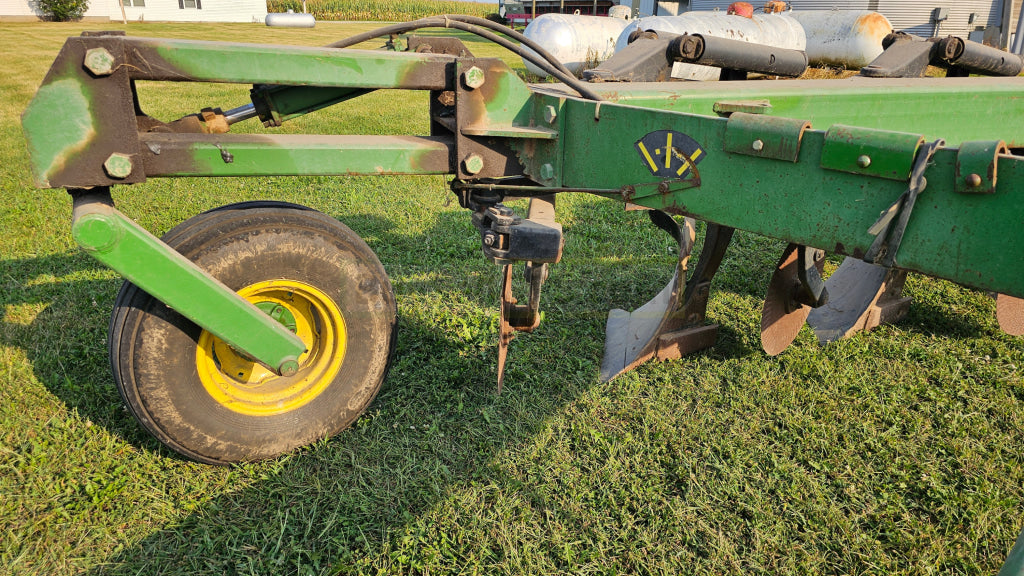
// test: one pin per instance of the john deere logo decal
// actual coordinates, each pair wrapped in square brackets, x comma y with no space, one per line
[669,154]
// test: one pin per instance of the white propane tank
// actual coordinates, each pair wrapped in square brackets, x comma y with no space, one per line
[290,19]
[848,38]
[574,39]
[778,30]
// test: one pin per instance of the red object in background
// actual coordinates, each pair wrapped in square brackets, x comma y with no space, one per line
[741,9]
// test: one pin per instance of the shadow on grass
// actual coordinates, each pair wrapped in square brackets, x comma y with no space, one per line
[57,312]
[943,319]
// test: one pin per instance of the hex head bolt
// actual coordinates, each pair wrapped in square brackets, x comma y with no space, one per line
[550,114]
[473,78]
[118,166]
[473,164]
[99,61]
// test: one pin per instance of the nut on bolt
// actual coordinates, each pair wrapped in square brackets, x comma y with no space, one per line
[550,114]
[118,165]
[473,78]
[473,164]
[290,367]
[99,61]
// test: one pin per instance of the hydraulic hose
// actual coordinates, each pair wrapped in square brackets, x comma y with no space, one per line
[482,27]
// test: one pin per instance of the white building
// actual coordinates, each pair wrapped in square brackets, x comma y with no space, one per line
[149,10]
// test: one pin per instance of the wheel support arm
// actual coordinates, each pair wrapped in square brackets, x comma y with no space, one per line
[117,241]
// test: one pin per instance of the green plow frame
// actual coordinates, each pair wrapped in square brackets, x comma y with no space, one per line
[915,175]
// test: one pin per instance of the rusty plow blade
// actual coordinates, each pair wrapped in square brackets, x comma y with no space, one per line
[785,305]
[670,324]
[632,338]
[861,297]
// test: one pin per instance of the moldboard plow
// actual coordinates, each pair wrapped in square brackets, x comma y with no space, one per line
[255,328]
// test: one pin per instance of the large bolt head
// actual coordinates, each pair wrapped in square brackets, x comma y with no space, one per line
[99,61]
[473,78]
[550,114]
[547,172]
[97,232]
[473,164]
[118,165]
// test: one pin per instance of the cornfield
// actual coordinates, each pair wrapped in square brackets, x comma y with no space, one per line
[382,10]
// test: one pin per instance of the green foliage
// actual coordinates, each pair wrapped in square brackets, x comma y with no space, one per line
[63,10]
[381,10]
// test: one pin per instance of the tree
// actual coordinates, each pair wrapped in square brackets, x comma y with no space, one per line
[63,10]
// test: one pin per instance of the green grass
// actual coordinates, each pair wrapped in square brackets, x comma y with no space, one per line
[383,10]
[897,451]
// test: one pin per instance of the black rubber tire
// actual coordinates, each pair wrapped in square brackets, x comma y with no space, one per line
[153,349]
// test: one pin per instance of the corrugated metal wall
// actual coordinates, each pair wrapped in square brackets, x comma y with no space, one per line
[659,8]
[913,16]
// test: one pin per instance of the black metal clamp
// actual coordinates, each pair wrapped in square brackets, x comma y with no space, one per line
[890,226]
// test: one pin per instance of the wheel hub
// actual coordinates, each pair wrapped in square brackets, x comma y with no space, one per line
[242,385]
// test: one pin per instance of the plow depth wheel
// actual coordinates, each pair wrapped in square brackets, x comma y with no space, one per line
[202,398]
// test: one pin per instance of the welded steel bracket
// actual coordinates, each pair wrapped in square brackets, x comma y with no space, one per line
[870,152]
[976,164]
[764,136]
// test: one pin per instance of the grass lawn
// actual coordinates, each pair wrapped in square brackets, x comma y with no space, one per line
[893,452]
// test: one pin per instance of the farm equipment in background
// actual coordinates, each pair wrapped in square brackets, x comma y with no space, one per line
[255,328]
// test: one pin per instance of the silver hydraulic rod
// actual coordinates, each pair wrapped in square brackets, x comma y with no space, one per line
[241,113]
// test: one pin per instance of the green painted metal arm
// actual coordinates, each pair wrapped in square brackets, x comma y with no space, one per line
[85,111]
[117,241]
[178,60]
[292,155]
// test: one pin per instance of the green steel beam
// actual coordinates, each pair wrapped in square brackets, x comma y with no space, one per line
[176,60]
[292,154]
[117,241]
[972,239]
[957,109]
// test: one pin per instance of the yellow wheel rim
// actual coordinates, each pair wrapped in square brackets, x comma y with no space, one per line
[247,387]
